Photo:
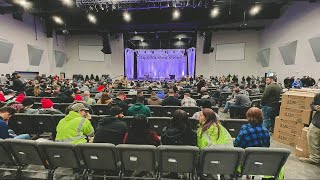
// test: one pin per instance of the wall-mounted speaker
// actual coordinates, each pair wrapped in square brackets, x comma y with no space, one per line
[207,42]
[106,44]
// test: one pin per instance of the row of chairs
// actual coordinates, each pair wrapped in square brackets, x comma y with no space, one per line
[126,161]
[39,124]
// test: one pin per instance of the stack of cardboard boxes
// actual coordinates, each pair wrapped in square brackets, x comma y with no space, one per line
[295,114]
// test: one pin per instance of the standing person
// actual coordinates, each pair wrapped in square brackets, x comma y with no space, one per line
[314,134]
[111,129]
[253,134]
[269,102]
[297,84]
[179,131]
[211,132]
[75,126]
[139,132]
[17,84]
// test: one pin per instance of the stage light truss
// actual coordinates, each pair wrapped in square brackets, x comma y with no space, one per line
[135,4]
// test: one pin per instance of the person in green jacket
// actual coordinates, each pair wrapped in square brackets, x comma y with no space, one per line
[211,132]
[139,108]
[75,127]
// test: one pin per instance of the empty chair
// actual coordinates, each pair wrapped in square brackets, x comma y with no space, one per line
[233,125]
[256,103]
[220,160]
[223,97]
[169,110]
[100,109]
[61,155]
[190,110]
[6,159]
[45,123]
[158,123]
[61,106]
[177,159]
[264,161]
[156,110]
[127,119]
[26,152]
[137,159]
[23,123]
[100,159]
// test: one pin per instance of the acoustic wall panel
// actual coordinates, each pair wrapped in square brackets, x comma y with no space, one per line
[60,58]
[264,57]
[230,52]
[5,50]
[35,55]
[315,45]
[288,52]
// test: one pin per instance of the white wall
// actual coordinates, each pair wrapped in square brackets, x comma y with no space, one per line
[23,33]
[300,22]
[113,67]
[207,65]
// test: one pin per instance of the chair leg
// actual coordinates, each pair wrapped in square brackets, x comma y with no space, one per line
[19,172]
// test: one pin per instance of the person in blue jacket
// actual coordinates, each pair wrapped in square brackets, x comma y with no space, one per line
[297,84]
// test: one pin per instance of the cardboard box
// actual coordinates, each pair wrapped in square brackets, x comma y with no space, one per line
[301,153]
[288,126]
[302,144]
[297,100]
[300,116]
[285,138]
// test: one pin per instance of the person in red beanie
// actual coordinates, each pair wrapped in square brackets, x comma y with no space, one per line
[47,107]
[20,98]
[78,97]
[2,98]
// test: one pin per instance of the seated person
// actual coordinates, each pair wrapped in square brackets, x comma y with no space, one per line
[179,131]
[231,100]
[87,99]
[46,93]
[242,101]
[171,100]
[206,104]
[47,107]
[154,99]
[27,107]
[255,90]
[187,100]
[75,126]
[297,84]
[5,114]
[105,99]
[139,133]
[111,129]
[139,108]
[205,97]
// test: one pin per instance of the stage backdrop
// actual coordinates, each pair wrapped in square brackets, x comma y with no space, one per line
[160,63]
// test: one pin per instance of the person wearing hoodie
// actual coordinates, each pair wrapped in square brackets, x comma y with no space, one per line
[205,97]
[27,107]
[179,131]
[66,97]
[139,108]
[154,99]
[47,107]
[111,129]
[17,83]
[76,126]
[171,100]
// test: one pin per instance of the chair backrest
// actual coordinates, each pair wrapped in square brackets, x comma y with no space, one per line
[5,156]
[156,110]
[22,123]
[127,119]
[233,125]
[224,95]
[215,109]
[98,156]
[26,152]
[191,109]
[60,154]
[56,118]
[158,123]
[169,110]
[45,122]
[37,105]
[264,161]
[179,159]
[256,103]
[61,106]
[220,160]
[100,109]
[137,157]
[255,97]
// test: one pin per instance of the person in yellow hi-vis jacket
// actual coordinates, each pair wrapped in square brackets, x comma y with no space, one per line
[75,127]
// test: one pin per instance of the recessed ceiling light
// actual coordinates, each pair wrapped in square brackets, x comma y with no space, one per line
[92,18]
[141,40]
[135,32]
[126,16]
[179,39]
[215,12]
[57,19]
[255,10]
[67,2]
[176,14]
[23,3]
